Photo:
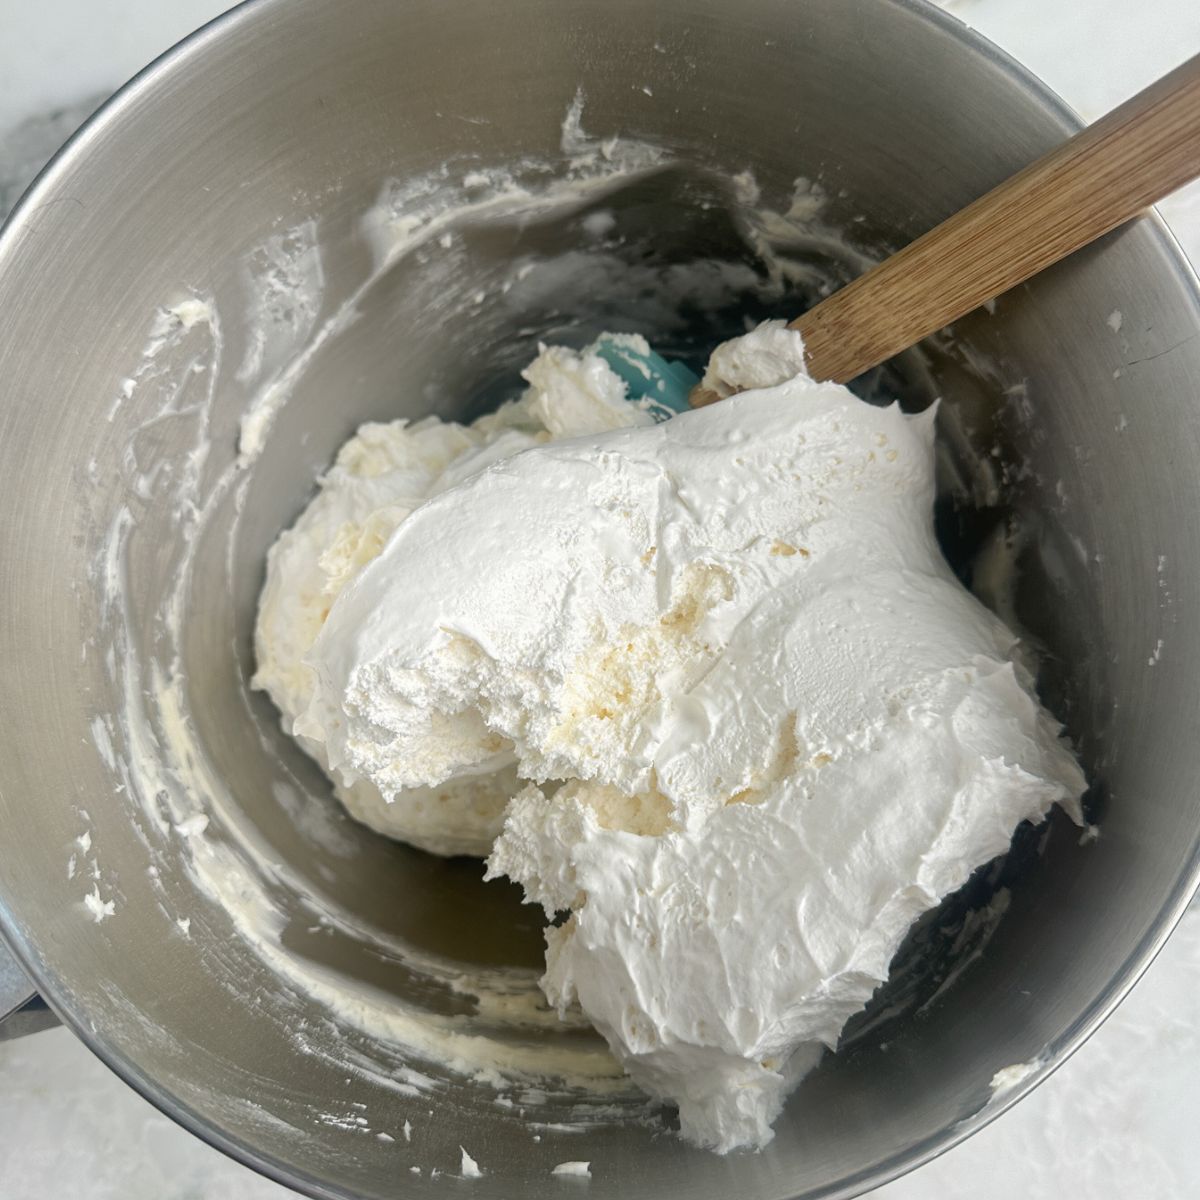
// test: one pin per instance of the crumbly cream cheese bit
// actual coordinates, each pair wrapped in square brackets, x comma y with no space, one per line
[782,727]
[381,475]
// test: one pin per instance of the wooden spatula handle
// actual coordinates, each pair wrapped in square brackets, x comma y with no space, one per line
[1100,178]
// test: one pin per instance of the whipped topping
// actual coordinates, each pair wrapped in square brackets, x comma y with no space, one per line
[769,355]
[381,476]
[764,726]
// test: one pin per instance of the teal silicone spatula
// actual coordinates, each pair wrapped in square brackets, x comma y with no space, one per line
[647,375]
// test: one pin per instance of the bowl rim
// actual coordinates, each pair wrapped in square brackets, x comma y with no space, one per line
[896,1165]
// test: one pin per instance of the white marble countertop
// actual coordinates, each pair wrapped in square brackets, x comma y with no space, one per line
[1117,1122]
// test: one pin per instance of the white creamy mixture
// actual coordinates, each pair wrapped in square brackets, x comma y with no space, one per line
[752,724]
[381,476]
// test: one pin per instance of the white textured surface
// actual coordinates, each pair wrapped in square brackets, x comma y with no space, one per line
[1117,1121]
[649,615]
[383,474]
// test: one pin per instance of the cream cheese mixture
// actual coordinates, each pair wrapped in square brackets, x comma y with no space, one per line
[381,476]
[706,688]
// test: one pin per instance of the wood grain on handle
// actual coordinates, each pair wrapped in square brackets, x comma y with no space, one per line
[1103,176]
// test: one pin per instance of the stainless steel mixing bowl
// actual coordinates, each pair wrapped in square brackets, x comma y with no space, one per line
[292,111]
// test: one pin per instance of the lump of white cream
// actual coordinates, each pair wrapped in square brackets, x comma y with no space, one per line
[777,727]
[381,476]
